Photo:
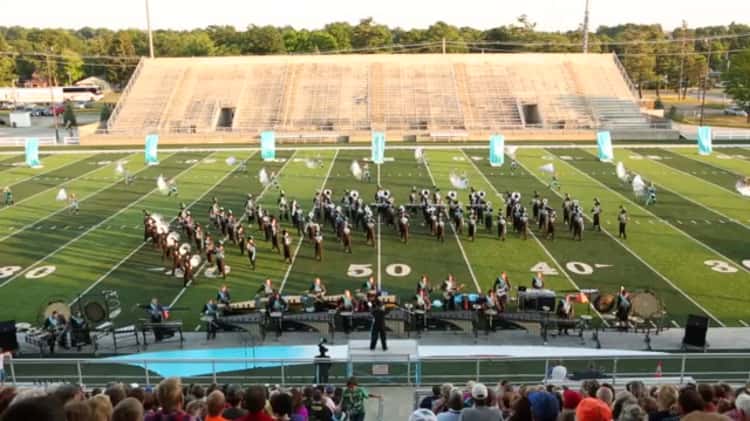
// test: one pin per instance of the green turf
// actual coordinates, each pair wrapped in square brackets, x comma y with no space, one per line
[7,161]
[111,254]
[35,210]
[72,263]
[729,159]
[655,240]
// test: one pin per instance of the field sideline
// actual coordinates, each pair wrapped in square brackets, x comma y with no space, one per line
[690,248]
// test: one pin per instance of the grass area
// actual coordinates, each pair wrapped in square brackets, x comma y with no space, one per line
[719,121]
[672,248]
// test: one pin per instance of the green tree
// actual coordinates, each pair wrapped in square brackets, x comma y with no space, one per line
[264,40]
[198,44]
[120,69]
[7,65]
[368,34]
[69,115]
[342,33]
[737,80]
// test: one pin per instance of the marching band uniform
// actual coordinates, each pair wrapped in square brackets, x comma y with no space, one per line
[211,312]
[251,252]
[223,296]
[346,237]
[537,282]
[346,304]
[623,308]
[318,246]
[622,218]
[565,311]
[287,241]
[502,226]
[567,205]
[551,219]
[595,212]
[266,290]
[277,306]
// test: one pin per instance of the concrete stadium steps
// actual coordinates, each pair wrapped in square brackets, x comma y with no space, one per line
[421,95]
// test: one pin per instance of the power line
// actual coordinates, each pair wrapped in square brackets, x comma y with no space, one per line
[67,57]
[605,43]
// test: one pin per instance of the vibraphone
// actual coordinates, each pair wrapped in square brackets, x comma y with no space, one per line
[297,303]
[168,329]
[259,323]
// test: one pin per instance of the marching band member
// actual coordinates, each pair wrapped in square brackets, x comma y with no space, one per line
[157,314]
[8,196]
[283,206]
[250,208]
[346,237]
[223,296]
[623,308]
[210,313]
[199,238]
[450,288]
[220,263]
[424,283]
[502,288]
[493,302]
[276,307]
[317,289]
[537,282]
[187,269]
[239,235]
[286,240]
[252,252]
[346,306]
[502,226]
[318,239]
[274,233]
[267,289]
[596,213]
[622,218]
[74,205]
[567,206]
[565,311]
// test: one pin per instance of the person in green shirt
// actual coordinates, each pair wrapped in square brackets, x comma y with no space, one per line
[8,195]
[353,400]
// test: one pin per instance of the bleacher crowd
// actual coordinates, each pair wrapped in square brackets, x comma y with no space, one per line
[593,402]
[171,401]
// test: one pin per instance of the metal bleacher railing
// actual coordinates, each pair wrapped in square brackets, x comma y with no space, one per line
[125,92]
[395,370]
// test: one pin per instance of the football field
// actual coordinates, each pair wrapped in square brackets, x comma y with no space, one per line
[691,248]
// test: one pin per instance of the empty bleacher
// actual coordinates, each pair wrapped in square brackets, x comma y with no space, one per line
[351,95]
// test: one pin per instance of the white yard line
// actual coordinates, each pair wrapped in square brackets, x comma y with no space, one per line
[667,280]
[546,251]
[65,208]
[48,171]
[664,221]
[743,323]
[737,221]
[458,240]
[714,166]
[299,244]
[26,199]
[93,227]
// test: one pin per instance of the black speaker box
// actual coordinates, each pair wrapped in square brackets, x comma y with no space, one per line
[8,340]
[695,331]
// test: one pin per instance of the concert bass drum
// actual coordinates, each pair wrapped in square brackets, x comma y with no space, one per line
[646,305]
[605,303]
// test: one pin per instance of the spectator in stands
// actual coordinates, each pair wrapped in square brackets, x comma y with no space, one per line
[707,393]
[234,399]
[149,403]
[637,388]
[593,409]
[116,393]
[422,414]
[622,400]
[255,404]
[481,411]
[299,411]
[196,408]
[128,409]
[570,401]
[632,412]
[353,400]
[67,392]
[691,406]
[282,406]
[328,393]
[544,405]
[558,372]
[169,395]
[101,408]
[215,404]
[521,410]
[76,410]
[742,408]
[666,400]
[439,405]
[455,405]
[39,408]
[427,401]
[319,411]
[589,388]
[137,393]
[605,395]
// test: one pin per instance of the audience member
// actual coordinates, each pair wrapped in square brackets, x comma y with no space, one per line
[215,404]
[480,411]
[170,397]
[128,409]
[455,405]
[39,408]
[76,410]
[255,404]
[101,408]
[234,400]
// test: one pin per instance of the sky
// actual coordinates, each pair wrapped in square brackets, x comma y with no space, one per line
[482,14]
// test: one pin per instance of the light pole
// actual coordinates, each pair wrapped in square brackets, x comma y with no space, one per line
[586,29]
[705,81]
[150,35]
[52,96]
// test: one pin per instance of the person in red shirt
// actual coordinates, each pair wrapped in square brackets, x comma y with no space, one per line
[255,403]
[215,403]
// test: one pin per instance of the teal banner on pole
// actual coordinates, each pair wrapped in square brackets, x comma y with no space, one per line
[497,150]
[151,153]
[378,147]
[705,140]
[268,145]
[32,153]
[604,145]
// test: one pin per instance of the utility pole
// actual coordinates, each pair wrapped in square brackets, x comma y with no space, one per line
[586,29]
[53,108]
[705,81]
[150,35]
[683,34]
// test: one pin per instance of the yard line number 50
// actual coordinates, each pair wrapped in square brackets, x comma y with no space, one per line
[36,273]
[398,270]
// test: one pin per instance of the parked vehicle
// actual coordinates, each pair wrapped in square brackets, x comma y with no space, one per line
[736,111]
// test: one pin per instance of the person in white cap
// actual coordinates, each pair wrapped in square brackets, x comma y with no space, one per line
[481,411]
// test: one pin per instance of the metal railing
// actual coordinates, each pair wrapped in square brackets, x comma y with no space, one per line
[43,141]
[125,92]
[396,370]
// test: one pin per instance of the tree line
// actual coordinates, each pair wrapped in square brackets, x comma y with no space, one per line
[650,54]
